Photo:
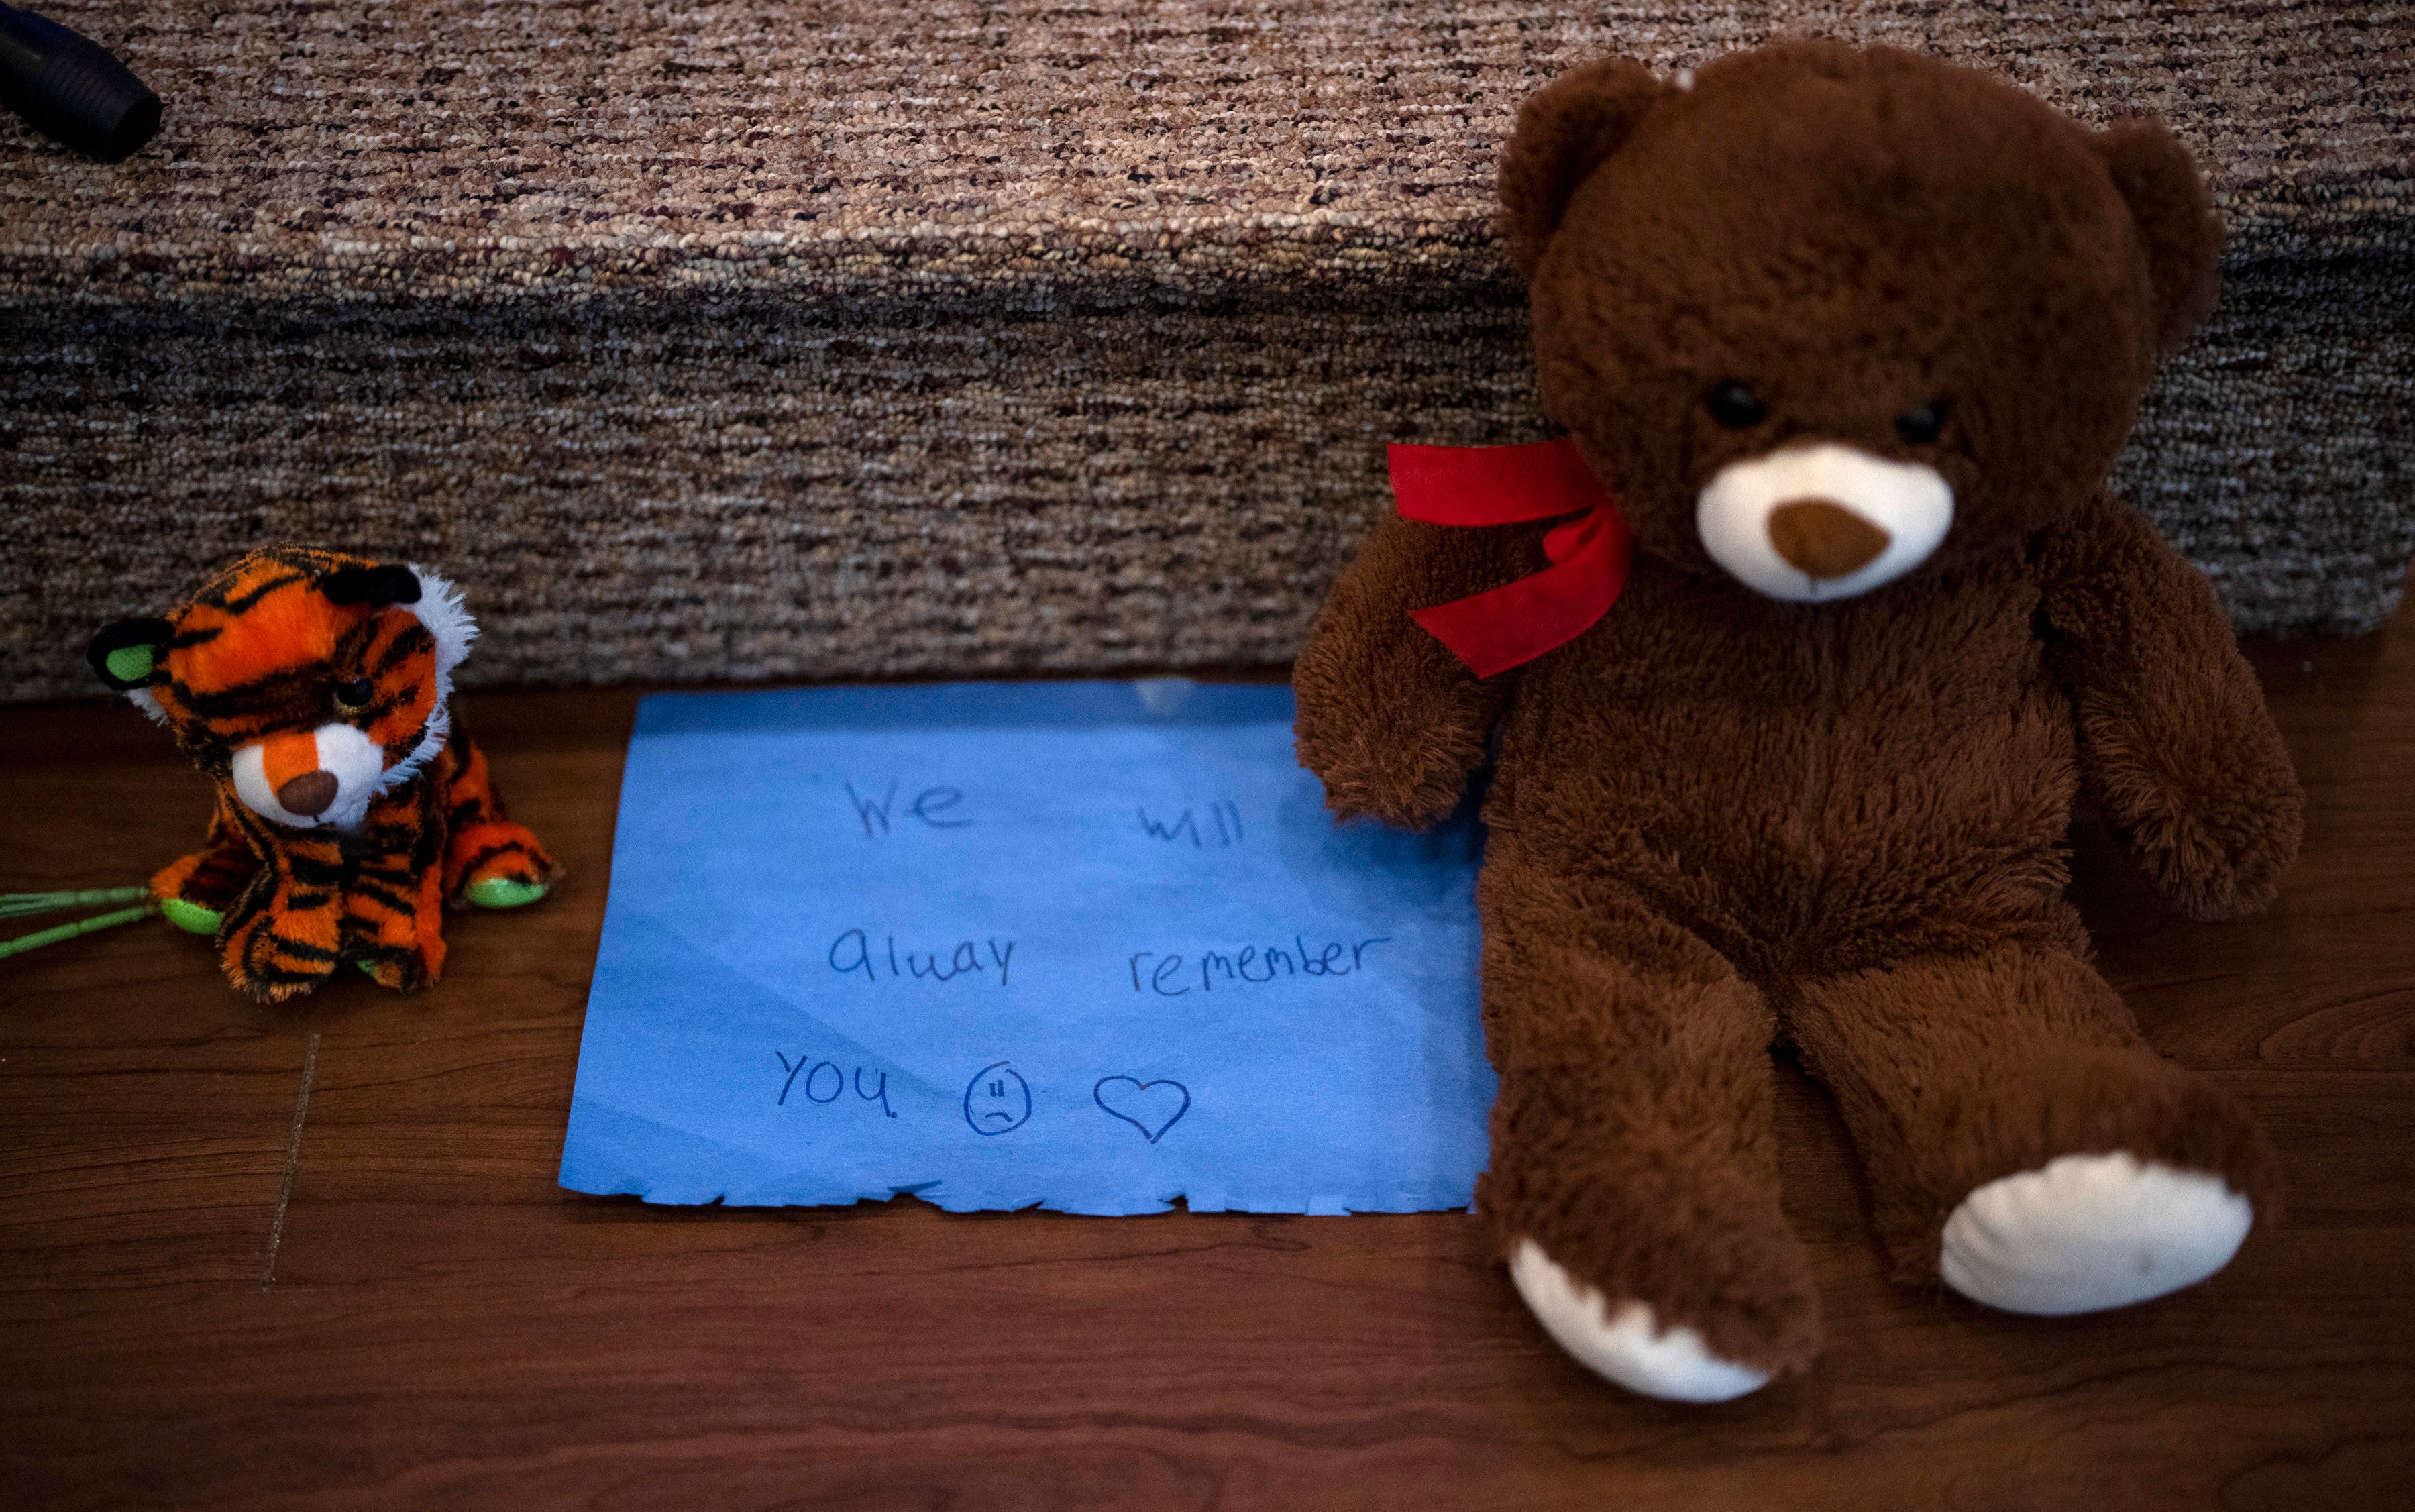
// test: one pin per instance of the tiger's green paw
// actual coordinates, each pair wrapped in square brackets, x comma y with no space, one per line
[190,917]
[502,892]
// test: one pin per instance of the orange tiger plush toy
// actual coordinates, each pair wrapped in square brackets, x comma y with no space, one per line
[316,690]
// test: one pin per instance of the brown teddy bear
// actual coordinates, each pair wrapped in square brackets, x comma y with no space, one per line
[1852,337]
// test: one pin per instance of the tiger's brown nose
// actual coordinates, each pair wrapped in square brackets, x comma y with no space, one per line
[1823,539]
[309,794]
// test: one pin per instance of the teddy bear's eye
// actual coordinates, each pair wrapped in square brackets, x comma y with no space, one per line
[356,693]
[1918,427]
[1735,405]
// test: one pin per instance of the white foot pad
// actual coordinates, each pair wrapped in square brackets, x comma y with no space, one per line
[2084,1232]
[1673,1364]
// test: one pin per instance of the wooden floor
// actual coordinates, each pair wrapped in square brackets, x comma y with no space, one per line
[266,1259]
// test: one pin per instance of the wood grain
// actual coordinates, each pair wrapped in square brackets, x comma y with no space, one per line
[446,1327]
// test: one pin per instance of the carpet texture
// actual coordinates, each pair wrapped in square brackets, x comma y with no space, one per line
[815,339]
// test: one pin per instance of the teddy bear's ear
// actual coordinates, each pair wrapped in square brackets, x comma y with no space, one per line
[1565,131]
[2168,198]
[126,655]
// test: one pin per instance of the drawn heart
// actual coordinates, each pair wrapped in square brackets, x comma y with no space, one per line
[1151,1107]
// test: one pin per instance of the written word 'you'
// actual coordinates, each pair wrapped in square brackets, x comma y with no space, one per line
[824,1082]
[878,959]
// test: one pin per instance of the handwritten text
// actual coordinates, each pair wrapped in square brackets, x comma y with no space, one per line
[931,805]
[856,950]
[1223,820]
[815,1090]
[1169,974]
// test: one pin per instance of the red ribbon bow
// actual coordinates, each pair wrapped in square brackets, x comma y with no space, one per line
[1465,485]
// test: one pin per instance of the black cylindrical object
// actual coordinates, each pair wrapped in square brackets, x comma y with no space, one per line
[70,87]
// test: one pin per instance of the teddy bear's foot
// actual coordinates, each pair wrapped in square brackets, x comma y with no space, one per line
[2084,1232]
[1622,1342]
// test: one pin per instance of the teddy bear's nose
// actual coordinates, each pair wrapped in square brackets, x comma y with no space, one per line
[309,794]
[1822,538]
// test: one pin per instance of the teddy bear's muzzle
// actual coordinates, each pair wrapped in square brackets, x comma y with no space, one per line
[1813,523]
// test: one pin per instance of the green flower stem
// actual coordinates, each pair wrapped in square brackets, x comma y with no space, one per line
[22,905]
[82,926]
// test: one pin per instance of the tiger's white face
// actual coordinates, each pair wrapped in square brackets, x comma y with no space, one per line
[310,683]
[1811,524]
[381,726]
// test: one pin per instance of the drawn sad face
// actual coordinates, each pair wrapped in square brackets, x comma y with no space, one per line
[997,1101]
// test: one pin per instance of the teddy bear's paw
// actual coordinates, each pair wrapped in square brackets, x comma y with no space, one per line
[1621,1342]
[2084,1232]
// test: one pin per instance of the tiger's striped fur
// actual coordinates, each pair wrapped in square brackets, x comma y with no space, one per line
[286,655]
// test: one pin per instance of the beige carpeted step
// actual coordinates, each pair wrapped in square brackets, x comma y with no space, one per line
[799,340]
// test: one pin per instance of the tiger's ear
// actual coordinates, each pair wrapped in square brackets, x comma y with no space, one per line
[374,585]
[127,656]
[1565,131]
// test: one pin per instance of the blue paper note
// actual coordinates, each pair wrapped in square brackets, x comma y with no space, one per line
[1090,947]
